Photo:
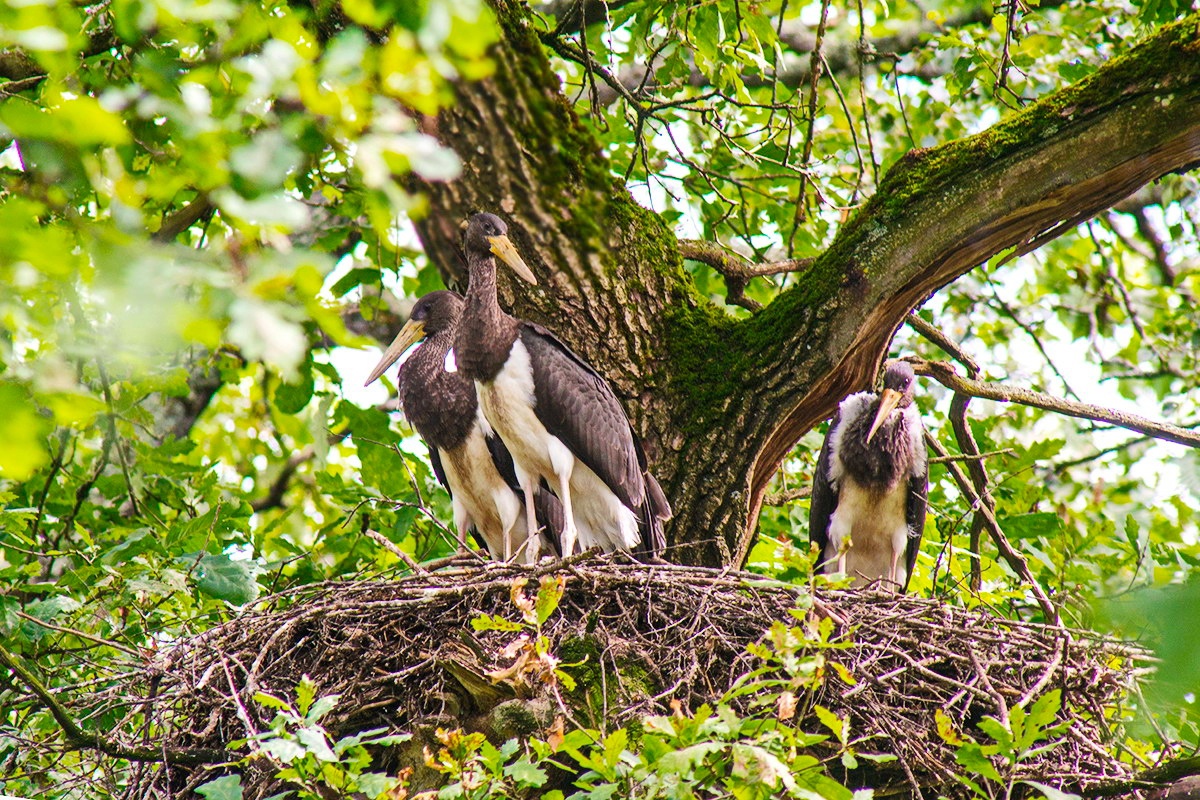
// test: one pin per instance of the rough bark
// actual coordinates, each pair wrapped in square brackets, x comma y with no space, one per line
[720,402]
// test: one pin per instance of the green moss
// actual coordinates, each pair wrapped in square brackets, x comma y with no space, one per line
[517,718]
[704,347]
[596,693]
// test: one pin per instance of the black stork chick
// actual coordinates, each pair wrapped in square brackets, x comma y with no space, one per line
[558,416]
[869,494]
[468,459]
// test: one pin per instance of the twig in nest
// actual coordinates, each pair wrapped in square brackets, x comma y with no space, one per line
[390,546]
[80,739]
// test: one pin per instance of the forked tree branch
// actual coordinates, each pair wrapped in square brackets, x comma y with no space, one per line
[736,270]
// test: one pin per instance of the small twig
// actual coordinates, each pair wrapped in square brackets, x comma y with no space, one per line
[106,389]
[1008,451]
[390,546]
[814,69]
[242,713]
[80,634]
[1059,651]
[736,271]
[965,439]
[787,496]
[1011,313]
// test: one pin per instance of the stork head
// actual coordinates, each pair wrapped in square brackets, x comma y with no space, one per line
[899,381]
[487,235]
[433,313]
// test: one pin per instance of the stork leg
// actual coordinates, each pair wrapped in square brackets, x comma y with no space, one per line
[462,524]
[529,487]
[569,534]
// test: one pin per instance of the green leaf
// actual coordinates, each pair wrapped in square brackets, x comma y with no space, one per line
[1038,525]
[997,731]
[405,517]
[567,681]
[22,430]
[486,622]
[374,784]
[225,579]
[1045,709]
[550,592]
[291,398]
[526,774]
[306,690]
[9,621]
[832,721]
[614,746]
[1050,793]
[322,707]
[284,750]
[354,278]
[271,701]
[970,756]
[316,742]
[227,787]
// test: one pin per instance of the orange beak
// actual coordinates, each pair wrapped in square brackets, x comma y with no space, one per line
[412,332]
[503,247]
[887,404]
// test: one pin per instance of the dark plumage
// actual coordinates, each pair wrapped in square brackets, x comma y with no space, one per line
[558,417]
[869,493]
[468,458]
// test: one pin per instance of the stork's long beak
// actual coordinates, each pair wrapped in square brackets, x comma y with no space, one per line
[503,247]
[412,332]
[888,401]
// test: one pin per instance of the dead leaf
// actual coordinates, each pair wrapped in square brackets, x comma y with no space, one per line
[555,737]
[786,706]
[525,604]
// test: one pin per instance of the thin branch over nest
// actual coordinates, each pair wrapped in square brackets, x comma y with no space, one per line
[404,656]
[946,375]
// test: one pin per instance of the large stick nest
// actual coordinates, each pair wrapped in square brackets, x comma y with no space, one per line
[404,656]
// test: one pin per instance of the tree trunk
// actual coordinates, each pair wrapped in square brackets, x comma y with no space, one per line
[720,402]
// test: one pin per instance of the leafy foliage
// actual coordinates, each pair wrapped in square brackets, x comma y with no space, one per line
[194,192]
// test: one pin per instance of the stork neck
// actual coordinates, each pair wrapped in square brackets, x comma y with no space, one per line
[486,333]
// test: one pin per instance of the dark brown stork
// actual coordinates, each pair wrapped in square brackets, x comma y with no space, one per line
[467,457]
[558,416]
[869,493]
